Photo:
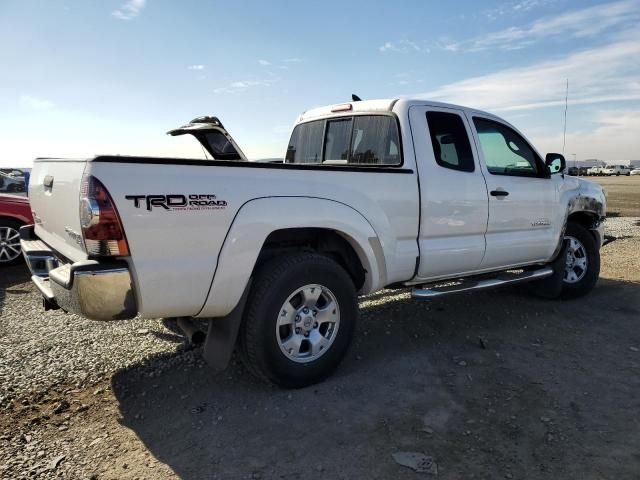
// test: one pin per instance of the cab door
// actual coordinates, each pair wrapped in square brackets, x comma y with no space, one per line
[453,195]
[523,224]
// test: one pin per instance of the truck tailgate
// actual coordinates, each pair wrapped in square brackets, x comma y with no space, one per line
[54,194]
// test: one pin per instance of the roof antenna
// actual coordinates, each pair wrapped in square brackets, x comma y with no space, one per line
[566,105]
[355,98]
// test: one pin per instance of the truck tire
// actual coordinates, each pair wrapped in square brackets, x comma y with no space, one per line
[10,251]
[299,320]
[582,266]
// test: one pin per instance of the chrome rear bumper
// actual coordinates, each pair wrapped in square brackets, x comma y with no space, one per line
[92,289]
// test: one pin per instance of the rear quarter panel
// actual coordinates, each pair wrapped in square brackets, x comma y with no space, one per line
[174,253]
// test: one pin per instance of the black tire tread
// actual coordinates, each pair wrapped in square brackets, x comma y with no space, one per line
[267,275]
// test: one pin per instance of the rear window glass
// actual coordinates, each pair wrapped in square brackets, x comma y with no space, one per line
[337,140]
[358,140]
[305,145]
[375,141]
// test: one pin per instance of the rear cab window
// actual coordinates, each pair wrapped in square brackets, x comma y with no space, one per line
[359,140]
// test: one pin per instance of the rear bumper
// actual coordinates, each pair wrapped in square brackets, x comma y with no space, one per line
[92,289]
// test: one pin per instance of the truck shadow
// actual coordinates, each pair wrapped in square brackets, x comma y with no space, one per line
[445,366]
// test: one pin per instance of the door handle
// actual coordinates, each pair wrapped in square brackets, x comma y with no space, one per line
[499,193]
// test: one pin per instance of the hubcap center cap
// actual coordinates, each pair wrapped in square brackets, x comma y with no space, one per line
[306,322]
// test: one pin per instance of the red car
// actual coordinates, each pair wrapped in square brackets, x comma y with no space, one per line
[14,213]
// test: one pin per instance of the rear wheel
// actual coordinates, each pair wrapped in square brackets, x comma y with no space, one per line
[10,251]
[299,320]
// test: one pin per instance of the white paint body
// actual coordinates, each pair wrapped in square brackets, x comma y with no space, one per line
[421,224]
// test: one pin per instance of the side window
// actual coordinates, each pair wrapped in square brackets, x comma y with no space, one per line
[450,141]
[337,140]
[305,145]
[505,151]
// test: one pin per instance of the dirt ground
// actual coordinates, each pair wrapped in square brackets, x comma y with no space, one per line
[623,194]
[491,385]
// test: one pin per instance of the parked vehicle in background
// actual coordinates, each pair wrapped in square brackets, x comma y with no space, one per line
[582,171]
[635,171]
[573,171]
[594,171]
[616,170]
[12,172]
[14,213]
[11,184]
[392,193]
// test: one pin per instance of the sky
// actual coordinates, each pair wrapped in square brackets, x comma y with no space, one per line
[89,77]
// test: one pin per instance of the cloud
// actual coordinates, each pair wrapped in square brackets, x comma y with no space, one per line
[612,139]
[243,85]
[512,8]
[292,60]
[401,46]
[596,75]
[35,103]
[195,67]
[264,62]
[129,10]
[587,22]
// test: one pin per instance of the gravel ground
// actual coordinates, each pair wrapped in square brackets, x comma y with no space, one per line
[622,227]
[39,351]
[85,399]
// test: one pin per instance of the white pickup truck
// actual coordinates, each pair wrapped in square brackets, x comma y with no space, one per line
[617,170]
[371,194]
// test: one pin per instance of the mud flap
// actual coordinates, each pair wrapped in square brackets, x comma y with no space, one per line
[222,334]
[551,287]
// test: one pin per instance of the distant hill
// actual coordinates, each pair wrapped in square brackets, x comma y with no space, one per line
[594,162]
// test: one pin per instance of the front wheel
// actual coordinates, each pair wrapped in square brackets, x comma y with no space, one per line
[299,320]
[582,263]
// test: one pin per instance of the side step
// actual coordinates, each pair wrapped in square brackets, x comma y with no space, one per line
[470,284]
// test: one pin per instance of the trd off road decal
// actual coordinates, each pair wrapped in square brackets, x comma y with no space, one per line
[178,202]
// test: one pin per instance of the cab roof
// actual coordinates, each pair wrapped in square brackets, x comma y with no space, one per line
[376,106]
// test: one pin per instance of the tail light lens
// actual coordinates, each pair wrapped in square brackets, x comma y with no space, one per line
[101,228]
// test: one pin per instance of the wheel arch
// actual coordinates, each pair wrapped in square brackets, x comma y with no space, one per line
[325,241]
[587,219]
[266,227]
[19,220]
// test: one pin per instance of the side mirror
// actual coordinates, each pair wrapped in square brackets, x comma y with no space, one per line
[555,163]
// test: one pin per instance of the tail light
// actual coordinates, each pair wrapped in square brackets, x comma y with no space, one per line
[101,228]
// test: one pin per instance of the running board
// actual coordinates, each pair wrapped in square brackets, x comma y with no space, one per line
[471,284]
